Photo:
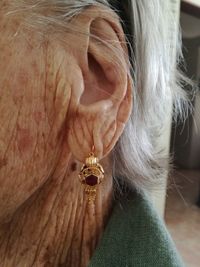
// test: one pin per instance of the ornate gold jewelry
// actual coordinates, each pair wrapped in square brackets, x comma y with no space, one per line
[91,175]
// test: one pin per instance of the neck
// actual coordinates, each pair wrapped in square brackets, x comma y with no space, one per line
[56,226]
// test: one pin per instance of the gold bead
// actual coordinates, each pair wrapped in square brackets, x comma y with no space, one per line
[91,160]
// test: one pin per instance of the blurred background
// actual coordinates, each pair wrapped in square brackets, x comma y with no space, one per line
[178,199]
[181,203]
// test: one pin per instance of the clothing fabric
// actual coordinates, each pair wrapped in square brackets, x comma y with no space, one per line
[136,236]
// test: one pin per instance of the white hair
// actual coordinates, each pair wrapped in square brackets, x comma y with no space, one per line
[156,81]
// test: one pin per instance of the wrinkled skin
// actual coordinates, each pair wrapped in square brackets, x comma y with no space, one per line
[53,110]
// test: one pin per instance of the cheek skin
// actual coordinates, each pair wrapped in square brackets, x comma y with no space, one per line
[33,106]
[24,140]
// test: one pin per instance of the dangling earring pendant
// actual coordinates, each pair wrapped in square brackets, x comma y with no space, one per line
[91,175]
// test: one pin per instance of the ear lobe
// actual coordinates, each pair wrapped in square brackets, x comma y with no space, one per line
[106,101]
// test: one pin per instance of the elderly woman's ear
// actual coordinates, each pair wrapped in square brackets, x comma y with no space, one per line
[101,104]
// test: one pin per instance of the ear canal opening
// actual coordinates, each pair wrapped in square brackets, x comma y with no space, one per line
[97,86]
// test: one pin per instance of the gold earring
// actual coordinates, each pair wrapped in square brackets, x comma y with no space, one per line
[91,175]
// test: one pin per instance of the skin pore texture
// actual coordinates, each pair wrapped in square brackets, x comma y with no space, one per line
[57,100]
